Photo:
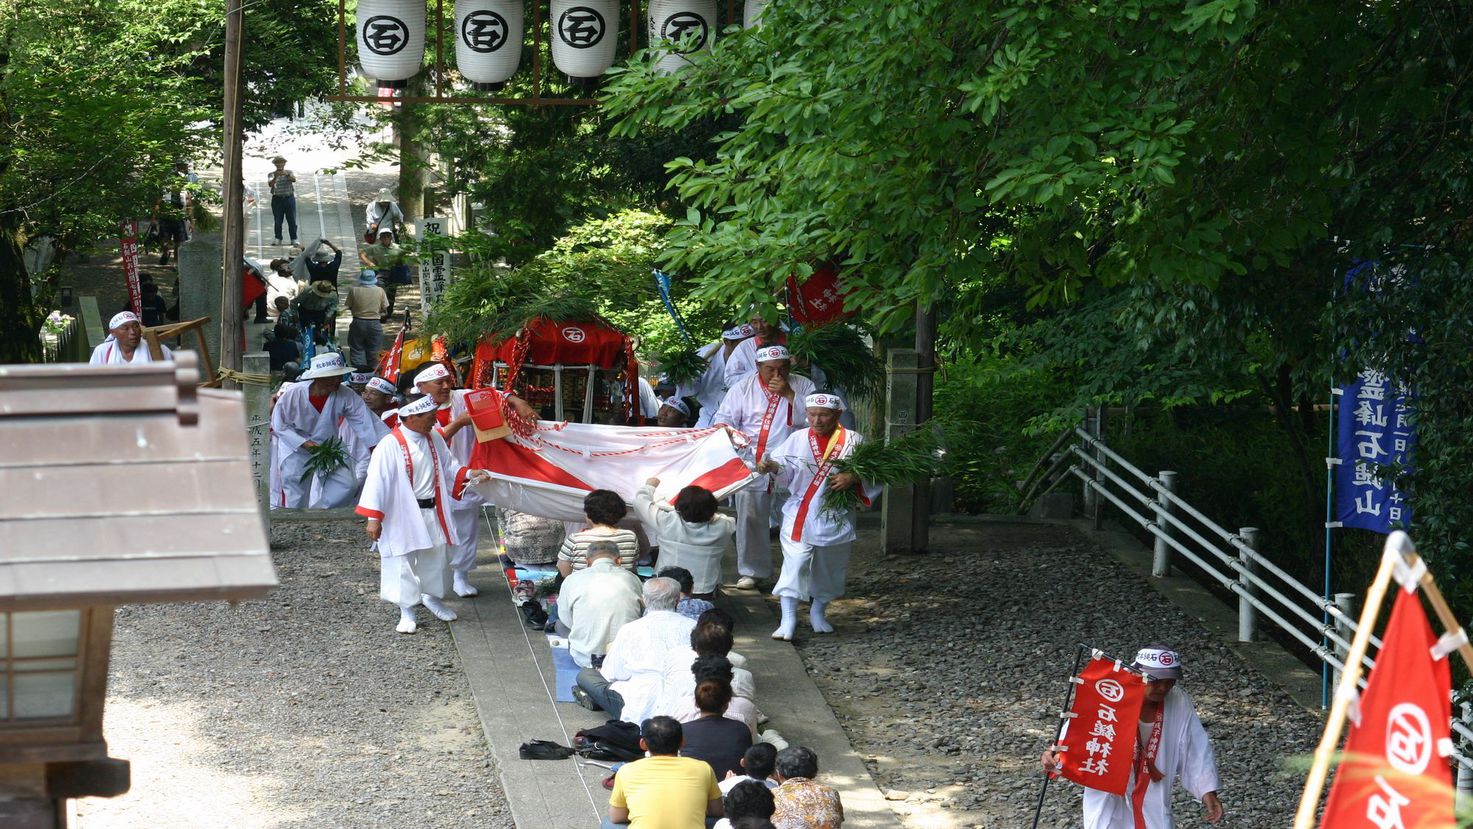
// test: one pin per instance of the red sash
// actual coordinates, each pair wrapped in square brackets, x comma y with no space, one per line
[767,417]
[825,458]
[434,476]
[1145,769]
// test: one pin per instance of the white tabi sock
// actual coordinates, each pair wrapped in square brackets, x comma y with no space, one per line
[790,619]
[463,586]
[817,618]
[438,608]
[407,624]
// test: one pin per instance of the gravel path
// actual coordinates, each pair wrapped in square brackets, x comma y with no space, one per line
[304,709]
[948,672]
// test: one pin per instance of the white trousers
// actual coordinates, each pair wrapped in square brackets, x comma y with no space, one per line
[403,578]
[466,516]
[810,572]
[753,544]
[334,490]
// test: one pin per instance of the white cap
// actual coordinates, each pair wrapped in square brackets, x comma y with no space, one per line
[421,406]
[121,319]
[431,374]
[770,353]
[823,400]
[677,404]
[382,386]
[326,365]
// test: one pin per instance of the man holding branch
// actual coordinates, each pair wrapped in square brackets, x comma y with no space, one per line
[816,538]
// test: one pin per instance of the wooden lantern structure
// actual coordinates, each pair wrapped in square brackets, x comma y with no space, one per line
[579,371]
[123,485]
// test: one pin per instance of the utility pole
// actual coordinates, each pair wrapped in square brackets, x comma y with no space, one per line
[231,314]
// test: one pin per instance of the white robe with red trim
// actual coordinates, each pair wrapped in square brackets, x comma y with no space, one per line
[388,494]
[798,465]
[710,388]
[1185,754]
[745,405]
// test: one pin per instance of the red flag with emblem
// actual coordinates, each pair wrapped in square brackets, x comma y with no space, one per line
[388,364]
[1395,771]
[1098,741]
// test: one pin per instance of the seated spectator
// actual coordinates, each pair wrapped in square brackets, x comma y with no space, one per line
[530,539]
[596,602]
[801,802]
[757,766]
[282,346]
[705,669]
[710,637]
[711,736]
[745,799]
[689,606]
[604,510]
[628,684]
[691,534]
[663,789]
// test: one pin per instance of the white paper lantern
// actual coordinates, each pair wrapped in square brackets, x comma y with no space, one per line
[585,34]
[391,40]
[488,40]
[681,28]
[752,13]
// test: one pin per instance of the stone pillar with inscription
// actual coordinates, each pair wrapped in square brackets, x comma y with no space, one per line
[258,424]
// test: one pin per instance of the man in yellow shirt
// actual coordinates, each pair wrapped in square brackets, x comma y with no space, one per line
[664,790]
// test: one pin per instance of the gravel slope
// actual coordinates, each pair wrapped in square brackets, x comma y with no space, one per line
[305,709]
[949,670]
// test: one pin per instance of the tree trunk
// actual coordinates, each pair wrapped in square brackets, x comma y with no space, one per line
[1281,392]
[19,340]
[413,156]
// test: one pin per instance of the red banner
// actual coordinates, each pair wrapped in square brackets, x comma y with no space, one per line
[1098,742]
[388,364]
[1395,771]
[818,299]
[128,236]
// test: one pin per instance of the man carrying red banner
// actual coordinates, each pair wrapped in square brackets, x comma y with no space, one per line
[1170,744]
[815,543]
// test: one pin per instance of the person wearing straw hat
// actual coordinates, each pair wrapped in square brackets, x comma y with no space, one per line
[321,260]
[412,476]
[1172,745]
[762,407]
[369,304]
[283,185]
[816,543]
[317,306]
[123,345]
[306,416]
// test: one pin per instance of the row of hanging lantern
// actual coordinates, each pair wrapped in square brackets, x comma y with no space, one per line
[489,36]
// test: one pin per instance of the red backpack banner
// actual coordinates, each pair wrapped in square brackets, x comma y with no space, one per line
[1395,770]
[1098,740]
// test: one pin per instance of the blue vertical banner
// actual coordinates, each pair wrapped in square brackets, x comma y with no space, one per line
[1374,432]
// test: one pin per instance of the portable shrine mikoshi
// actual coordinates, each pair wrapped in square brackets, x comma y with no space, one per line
[583,372]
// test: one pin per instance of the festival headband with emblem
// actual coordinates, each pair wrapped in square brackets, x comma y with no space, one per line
[122,318]
[739,332]
[677,404]
[431,374]
[1158,662]
[382,386]
[823,400]
[424,405]
[771,353]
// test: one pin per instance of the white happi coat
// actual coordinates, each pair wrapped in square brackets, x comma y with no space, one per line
[798,465]
[388,493]
[465,511]
[294,421]
[746,402]
[110,354]
[1185,753]
[710,388]
[742,361]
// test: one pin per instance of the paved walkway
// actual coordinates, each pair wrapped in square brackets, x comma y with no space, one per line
[512,678]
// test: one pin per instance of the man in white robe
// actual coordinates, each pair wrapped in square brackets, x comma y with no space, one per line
[766,407]
[816,543]
[1176,748]
[741,361]
[123,345]
[411,478]
[308,414]
[710,388]
[628,685]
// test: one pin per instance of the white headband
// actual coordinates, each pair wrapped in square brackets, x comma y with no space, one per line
[1158,662]
[677,404]
[823,400]
[739,332]
[431,374]
[770,353]
[383,386]
[423,405]
[122,318]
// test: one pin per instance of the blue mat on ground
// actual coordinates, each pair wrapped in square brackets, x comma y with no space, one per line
[567,672]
